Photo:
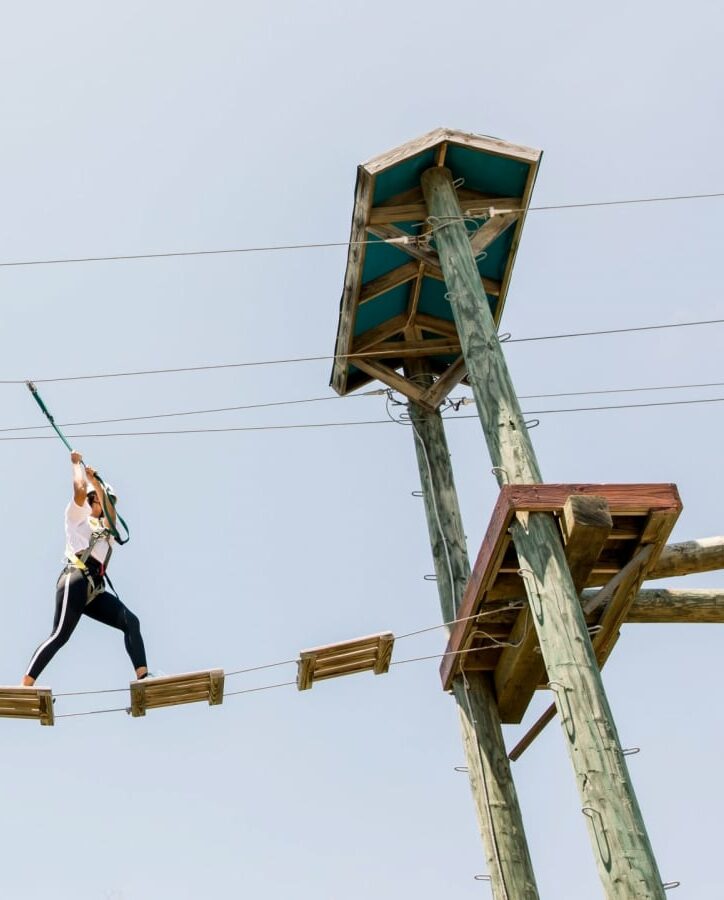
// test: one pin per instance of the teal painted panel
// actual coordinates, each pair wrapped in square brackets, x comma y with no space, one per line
[403,176]
[381,258]
[381,309]
[487,174]
[495,258]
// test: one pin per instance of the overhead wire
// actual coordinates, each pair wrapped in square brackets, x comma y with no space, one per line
[327,357]
[328,244]
[373,393]
[320,425]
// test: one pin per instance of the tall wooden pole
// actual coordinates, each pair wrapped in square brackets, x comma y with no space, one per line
[496,801]
[624,856]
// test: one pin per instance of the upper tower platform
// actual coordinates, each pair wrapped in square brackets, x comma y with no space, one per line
[394,314]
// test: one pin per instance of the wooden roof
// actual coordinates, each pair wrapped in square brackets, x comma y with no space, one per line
[393,310]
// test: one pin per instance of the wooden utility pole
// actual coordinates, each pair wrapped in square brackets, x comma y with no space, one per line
[625,859]
[496,801]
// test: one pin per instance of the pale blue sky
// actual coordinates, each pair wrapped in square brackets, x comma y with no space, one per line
[174,126]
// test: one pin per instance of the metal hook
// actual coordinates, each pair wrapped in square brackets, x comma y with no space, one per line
[631,751]
[505,336]
[417,493]
[430,577]
[462,769]
[670,885]
[483,877]
[503,470]
[448,295]
[531,423]
[458,183]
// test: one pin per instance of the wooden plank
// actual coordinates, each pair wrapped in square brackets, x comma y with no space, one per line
[491,231]
[586,523]
[370,653]
[384,654]
[447,382]
[352,280]
[31,702]
[493,146]
[388,281]
[175,690]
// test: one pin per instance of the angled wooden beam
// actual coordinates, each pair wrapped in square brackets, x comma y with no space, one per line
[443,327]
[389,377]
[378,334]
[452,376]
[491,231]
[586,523]
[389,280]
[409,244]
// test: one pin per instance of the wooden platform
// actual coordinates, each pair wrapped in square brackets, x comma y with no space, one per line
[17,702]
[172,690]
[373,652]
[612,534]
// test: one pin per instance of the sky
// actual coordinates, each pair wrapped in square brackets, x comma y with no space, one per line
[143,128]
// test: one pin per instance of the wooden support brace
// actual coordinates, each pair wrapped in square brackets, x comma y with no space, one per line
[447,382]
[491,231]
[586,524]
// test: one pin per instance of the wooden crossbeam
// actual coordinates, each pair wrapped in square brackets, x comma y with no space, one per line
[380,285]
[372,653]
[20,702]
[586,524]
[389,377]
[491,231]
[173,690]
[452,376]
[410,206]
[410,349]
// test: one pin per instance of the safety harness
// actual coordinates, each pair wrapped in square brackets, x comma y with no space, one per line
[80,561]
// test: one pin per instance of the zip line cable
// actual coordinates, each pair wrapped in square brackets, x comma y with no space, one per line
[327,357]
[314,425]
[325,244]
[376,393]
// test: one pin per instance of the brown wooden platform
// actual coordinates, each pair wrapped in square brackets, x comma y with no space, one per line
[615,546]
[371,653]
[18,702]
[172,690]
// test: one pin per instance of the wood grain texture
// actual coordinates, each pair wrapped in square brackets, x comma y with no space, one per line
[586,524]
[624,856]
[20,702]
[370,653]
[380,285]
[174,690]
[496,802]
[352,280]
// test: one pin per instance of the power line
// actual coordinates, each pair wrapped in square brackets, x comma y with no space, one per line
[313,425]
[324,244]
[375,353]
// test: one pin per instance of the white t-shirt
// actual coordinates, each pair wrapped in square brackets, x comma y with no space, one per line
[79,526]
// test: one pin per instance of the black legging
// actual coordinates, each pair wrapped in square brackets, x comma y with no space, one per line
[71,598]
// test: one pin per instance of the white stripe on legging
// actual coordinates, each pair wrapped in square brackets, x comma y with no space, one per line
[55,634]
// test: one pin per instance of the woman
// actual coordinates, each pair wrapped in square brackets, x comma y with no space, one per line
[81,586]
